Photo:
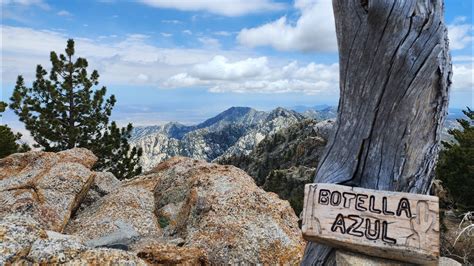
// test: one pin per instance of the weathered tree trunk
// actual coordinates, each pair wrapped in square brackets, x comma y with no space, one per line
[395,74]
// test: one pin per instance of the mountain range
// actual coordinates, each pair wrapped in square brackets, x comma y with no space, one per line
[285,161]
[235,131]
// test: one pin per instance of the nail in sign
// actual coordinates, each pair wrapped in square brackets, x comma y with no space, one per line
[394,225]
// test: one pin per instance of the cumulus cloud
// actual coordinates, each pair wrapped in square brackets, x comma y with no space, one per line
[313,31]
[460,34]
[219,68]
[220,7]
[120,60]
[258,76]
[132,60]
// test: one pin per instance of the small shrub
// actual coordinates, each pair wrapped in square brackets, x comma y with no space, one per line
[456,163]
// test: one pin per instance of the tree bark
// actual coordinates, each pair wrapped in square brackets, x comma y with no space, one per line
[395,75]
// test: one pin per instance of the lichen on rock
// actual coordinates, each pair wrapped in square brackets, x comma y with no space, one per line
[220,209]
[184,212]
[45,186]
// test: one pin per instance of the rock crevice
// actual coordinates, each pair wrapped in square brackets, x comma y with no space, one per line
[54,209]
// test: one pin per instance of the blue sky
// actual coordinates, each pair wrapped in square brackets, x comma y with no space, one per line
[169,60]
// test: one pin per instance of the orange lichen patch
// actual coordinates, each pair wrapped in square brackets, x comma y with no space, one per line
[147,182]
[30,189]
[107,257]
[78,155]
[11,165]
[283,256]
[173,255]
[17,234]
[167,164]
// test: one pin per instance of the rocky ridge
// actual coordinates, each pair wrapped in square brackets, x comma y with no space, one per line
[184,211]
[285,161]
[233,132]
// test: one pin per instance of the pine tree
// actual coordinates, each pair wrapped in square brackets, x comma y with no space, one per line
[8,139]
[67,110]
[456,163]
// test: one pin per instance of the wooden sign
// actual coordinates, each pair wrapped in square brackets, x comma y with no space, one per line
[394,225]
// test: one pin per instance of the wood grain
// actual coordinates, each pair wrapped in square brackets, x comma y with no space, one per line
[395,76]
[393,225]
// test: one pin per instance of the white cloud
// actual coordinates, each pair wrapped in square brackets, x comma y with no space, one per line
[314,30]
[219,68]
[182,80]
[187,32]
[463,58]
[128,60]
[463,77]
[64,13]
[210,43]
[220,7]
[165,34]
[256,75]
[460,33]
[131,60]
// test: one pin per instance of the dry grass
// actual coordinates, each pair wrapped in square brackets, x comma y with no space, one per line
[457,238]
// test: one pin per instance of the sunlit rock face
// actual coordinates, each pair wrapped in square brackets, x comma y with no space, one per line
[221,210]
[45,186]
[233,132]
[55,209]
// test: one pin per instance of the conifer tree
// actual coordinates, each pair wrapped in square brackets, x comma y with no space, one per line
[8,139]
[66,109]
[456,163]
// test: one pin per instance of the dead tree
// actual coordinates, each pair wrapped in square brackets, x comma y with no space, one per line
[395,75]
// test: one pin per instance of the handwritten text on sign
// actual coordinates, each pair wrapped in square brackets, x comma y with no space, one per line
[394,225]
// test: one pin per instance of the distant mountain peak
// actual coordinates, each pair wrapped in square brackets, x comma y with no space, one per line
[282,112]
[238,109]
[231,115]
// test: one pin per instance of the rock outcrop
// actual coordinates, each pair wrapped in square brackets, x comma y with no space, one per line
[45,186]
[285,161]
[24,242]
[184,211]
[104,183]
[121,217]
[219,209]
[172,255]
